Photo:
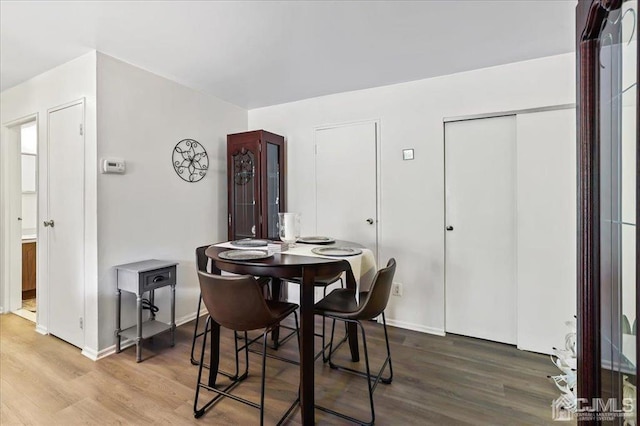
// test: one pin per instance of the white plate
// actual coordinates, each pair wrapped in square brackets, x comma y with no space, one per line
[249,242]
[316,240]
[336,251]
[244,254]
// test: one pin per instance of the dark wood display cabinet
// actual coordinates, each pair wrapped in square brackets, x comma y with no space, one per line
[608,210]
[256,184]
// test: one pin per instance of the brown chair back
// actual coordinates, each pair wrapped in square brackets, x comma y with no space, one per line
[378,296]
[202,261]
[235,302]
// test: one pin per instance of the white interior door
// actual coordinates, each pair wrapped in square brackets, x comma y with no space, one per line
[346,183]
[480,254]
[66,236]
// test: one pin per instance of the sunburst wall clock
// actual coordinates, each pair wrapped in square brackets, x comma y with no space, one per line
[190,160]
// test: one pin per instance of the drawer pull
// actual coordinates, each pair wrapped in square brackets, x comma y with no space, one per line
[158,278]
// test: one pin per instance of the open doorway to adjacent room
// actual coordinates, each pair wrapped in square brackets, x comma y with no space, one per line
[28,187]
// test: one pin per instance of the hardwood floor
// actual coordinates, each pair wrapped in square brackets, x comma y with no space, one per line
[437,380]
[29,304]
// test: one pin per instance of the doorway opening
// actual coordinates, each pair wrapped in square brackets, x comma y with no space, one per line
[27,187]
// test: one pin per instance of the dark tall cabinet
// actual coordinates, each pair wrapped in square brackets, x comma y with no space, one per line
[256,184]
[608,208]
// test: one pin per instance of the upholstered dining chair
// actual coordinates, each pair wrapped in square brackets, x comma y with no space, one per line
[237,303]
[203,264]
[341,305]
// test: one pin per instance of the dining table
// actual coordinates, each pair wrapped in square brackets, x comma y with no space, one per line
[295,263]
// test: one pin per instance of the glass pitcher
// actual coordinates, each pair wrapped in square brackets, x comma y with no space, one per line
[289,227]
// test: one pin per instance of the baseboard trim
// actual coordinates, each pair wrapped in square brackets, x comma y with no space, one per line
[90,353]
[42,329]
[415,327]
[95,356]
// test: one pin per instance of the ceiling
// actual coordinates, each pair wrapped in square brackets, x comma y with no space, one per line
[256,54]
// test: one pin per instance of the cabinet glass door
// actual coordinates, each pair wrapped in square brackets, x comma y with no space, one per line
[273,190]
[244,187]
[618,192]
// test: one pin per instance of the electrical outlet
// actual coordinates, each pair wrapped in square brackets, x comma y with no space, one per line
[396,289]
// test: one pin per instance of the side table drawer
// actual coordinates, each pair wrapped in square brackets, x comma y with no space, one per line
[158,278]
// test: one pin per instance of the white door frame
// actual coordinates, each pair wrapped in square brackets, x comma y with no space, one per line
[378,167]
[11,284]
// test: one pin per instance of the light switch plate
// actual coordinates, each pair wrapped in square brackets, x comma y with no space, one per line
[407,154]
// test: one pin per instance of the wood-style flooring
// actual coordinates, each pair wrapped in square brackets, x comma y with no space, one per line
[29,304]
[437,381]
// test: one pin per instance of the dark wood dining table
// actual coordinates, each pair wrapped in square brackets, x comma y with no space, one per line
[279,267]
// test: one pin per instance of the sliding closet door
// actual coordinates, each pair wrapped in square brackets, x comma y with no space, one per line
[481,228]
[546,205]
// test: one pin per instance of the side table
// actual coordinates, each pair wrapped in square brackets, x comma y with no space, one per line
[138,278]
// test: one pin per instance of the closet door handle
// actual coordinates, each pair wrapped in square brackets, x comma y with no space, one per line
[50,223]
[449,228]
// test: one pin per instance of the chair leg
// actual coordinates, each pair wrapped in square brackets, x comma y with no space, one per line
[372,382]
[226,392]
[333,348]
[199,412]
[387,380]
[264,371]
[295,403]
[295,318]
[235,379]
[333,329]
[195,331]
[366,374]
[387,361]
[233,376]
[236,375]
[325,358]
[366,359]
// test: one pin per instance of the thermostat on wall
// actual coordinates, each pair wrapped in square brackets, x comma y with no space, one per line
[407,154]
[113,165]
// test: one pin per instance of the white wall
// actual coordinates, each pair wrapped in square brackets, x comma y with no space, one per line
[68,82]
[149,212]
[412,193]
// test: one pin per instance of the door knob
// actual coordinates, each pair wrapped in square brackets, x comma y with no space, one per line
[370,221]
[19,218]
[449,228]
[49,223]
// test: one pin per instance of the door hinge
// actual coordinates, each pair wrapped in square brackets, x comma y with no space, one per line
[81,324]
[81,130]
